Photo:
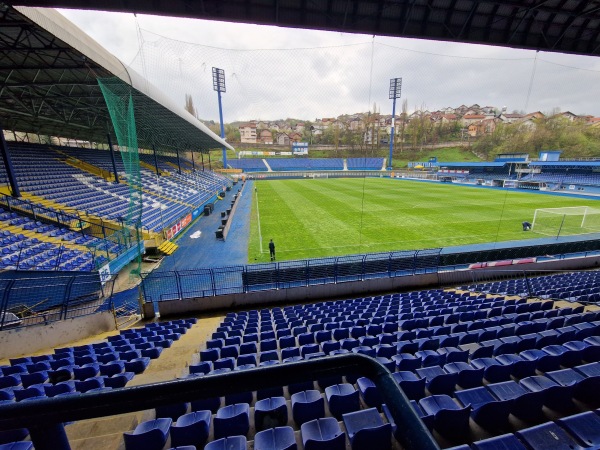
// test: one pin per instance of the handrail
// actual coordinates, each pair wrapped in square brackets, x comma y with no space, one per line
[45,417]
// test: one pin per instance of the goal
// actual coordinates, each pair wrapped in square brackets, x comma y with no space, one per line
[565,221]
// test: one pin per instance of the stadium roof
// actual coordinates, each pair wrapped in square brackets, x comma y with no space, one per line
[570,26]
[471,164]
[566,164]
[48,86]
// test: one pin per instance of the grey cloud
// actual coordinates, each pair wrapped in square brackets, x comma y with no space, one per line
[311,74]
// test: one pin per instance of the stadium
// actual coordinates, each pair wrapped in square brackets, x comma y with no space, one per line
[359,281]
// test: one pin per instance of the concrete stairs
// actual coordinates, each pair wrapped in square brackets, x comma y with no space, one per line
[42,237]
[168,247]
[107,433]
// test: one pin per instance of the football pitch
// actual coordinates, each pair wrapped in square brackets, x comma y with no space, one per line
[309,218]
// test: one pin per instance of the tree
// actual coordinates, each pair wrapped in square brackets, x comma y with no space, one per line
[189,105]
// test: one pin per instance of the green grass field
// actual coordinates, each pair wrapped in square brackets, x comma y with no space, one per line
[327,217]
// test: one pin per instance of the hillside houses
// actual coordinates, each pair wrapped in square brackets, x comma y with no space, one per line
[474,121]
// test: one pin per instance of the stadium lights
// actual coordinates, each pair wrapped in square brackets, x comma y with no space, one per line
[218,80]
[395,92]
[219,86]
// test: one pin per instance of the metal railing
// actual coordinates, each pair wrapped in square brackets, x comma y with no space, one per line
[169,285]
[44,418]
[42,299]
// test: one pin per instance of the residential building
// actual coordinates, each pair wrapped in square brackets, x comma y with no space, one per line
[265,137]
[283,139]
[468,119]
[248,133]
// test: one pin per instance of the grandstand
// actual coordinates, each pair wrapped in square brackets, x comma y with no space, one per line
[295,164]
[248,165]
[166,199]
[420,349]
[365,163]
[307,164]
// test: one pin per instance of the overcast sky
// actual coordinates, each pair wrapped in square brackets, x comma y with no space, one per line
[275,72]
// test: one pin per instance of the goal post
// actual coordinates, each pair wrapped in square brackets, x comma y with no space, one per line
[571,220]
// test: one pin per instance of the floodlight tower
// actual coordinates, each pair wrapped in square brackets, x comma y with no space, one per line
[395,91]
[219,86]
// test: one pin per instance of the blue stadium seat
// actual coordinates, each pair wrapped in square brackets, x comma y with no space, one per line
[149,435]
[493,370]
[521,367]
[323,434]
[59,388]
[468,376]
[232,420]
[118,380]
[30,392]
[438,380]
[228,443]
[191,429]
[556,396]
[487,411]
[307,405]
[89,384]
[502,442]
[450,420]
[342,398]
[270,412]
[366,430]
[547,435]
[369,392]
[585,427]
[280,438]
[525,405]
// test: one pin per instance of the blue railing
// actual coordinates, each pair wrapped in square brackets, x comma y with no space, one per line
[35,298]
[208,282]
[44,418]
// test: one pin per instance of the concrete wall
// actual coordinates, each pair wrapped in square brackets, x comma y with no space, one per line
[364,288]
[28,340]
[294,295]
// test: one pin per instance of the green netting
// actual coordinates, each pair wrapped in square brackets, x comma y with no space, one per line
[119,101]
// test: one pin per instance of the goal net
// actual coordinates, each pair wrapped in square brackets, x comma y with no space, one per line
[566,221]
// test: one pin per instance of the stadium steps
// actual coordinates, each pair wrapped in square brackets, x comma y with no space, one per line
[102,434]
[107,433]
[49,204]
[384,164]
[268,166]
[150,167]
[345,164]
[174,360]
[168,247]
[88,217]
[170,199]
[87,167]
[30,234]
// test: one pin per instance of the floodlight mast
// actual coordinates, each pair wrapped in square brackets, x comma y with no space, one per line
[395,92]
[219,86]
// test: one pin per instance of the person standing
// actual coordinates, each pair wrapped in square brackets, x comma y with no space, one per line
[272,249]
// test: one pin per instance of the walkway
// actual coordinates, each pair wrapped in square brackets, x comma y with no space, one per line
[205,250]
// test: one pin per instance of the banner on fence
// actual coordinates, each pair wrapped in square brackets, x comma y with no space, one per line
[178,227]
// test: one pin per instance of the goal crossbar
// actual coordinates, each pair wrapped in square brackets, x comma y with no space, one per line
[569,220]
